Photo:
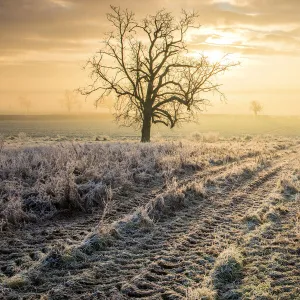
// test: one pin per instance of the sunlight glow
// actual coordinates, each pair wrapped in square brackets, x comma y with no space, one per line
[61,3]
[214,56]
[224,39]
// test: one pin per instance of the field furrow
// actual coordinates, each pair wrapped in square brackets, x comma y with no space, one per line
[173,251]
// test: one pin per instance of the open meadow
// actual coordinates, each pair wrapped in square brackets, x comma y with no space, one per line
[202,217]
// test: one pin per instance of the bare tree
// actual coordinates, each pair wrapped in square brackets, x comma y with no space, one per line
[146,65]
[70,100]
[255,107]
[25,103]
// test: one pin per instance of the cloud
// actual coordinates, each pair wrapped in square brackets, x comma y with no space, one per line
[255,26]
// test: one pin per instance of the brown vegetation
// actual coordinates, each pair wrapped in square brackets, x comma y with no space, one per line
[195,220]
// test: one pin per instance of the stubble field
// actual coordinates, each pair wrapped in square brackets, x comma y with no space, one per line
[202,218]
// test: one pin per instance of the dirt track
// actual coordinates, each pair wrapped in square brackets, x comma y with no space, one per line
[177,253]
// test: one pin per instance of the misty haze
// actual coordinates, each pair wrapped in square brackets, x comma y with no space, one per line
[149,149]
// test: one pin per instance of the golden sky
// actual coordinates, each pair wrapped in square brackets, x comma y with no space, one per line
[44,43]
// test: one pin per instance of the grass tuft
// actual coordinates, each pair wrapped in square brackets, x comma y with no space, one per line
[201,294]
[287,187]
[271,215]
[252,220]
[227,268]
[17,281]
[96,242]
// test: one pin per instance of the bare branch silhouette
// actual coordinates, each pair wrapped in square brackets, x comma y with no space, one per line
[146,67]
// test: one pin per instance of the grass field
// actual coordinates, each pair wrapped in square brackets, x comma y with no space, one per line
[90,126]
[208,216]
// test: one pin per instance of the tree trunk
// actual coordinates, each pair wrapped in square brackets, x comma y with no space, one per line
[146,128]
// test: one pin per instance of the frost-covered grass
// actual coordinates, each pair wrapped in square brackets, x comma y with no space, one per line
[38,181]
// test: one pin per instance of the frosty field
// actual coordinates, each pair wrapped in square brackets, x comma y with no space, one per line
[206,217]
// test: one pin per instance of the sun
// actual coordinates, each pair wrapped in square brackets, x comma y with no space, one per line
[214,56]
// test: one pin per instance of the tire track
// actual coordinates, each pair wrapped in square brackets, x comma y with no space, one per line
[20,249]
[186,249]
[164,262]
[176,254]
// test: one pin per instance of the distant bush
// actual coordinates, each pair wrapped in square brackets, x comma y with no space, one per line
[196,136]
[22,136]
[248,138]
[209,137]
[102,138]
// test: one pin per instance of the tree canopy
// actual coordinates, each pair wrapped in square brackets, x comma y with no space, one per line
[146,65]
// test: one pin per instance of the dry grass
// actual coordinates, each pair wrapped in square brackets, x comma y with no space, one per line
[201,294]
[223,278]
[290,184]
[297,217]
[167,212]
[272,248]
[252,220]
[36,182]
[16,282]
[2,142]
[209,137]
[227,268]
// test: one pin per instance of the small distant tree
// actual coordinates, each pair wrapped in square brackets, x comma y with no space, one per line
[25,104]
[146,66]
[255,107]
[70,100]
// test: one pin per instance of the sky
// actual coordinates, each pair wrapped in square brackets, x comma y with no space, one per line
[44,44]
